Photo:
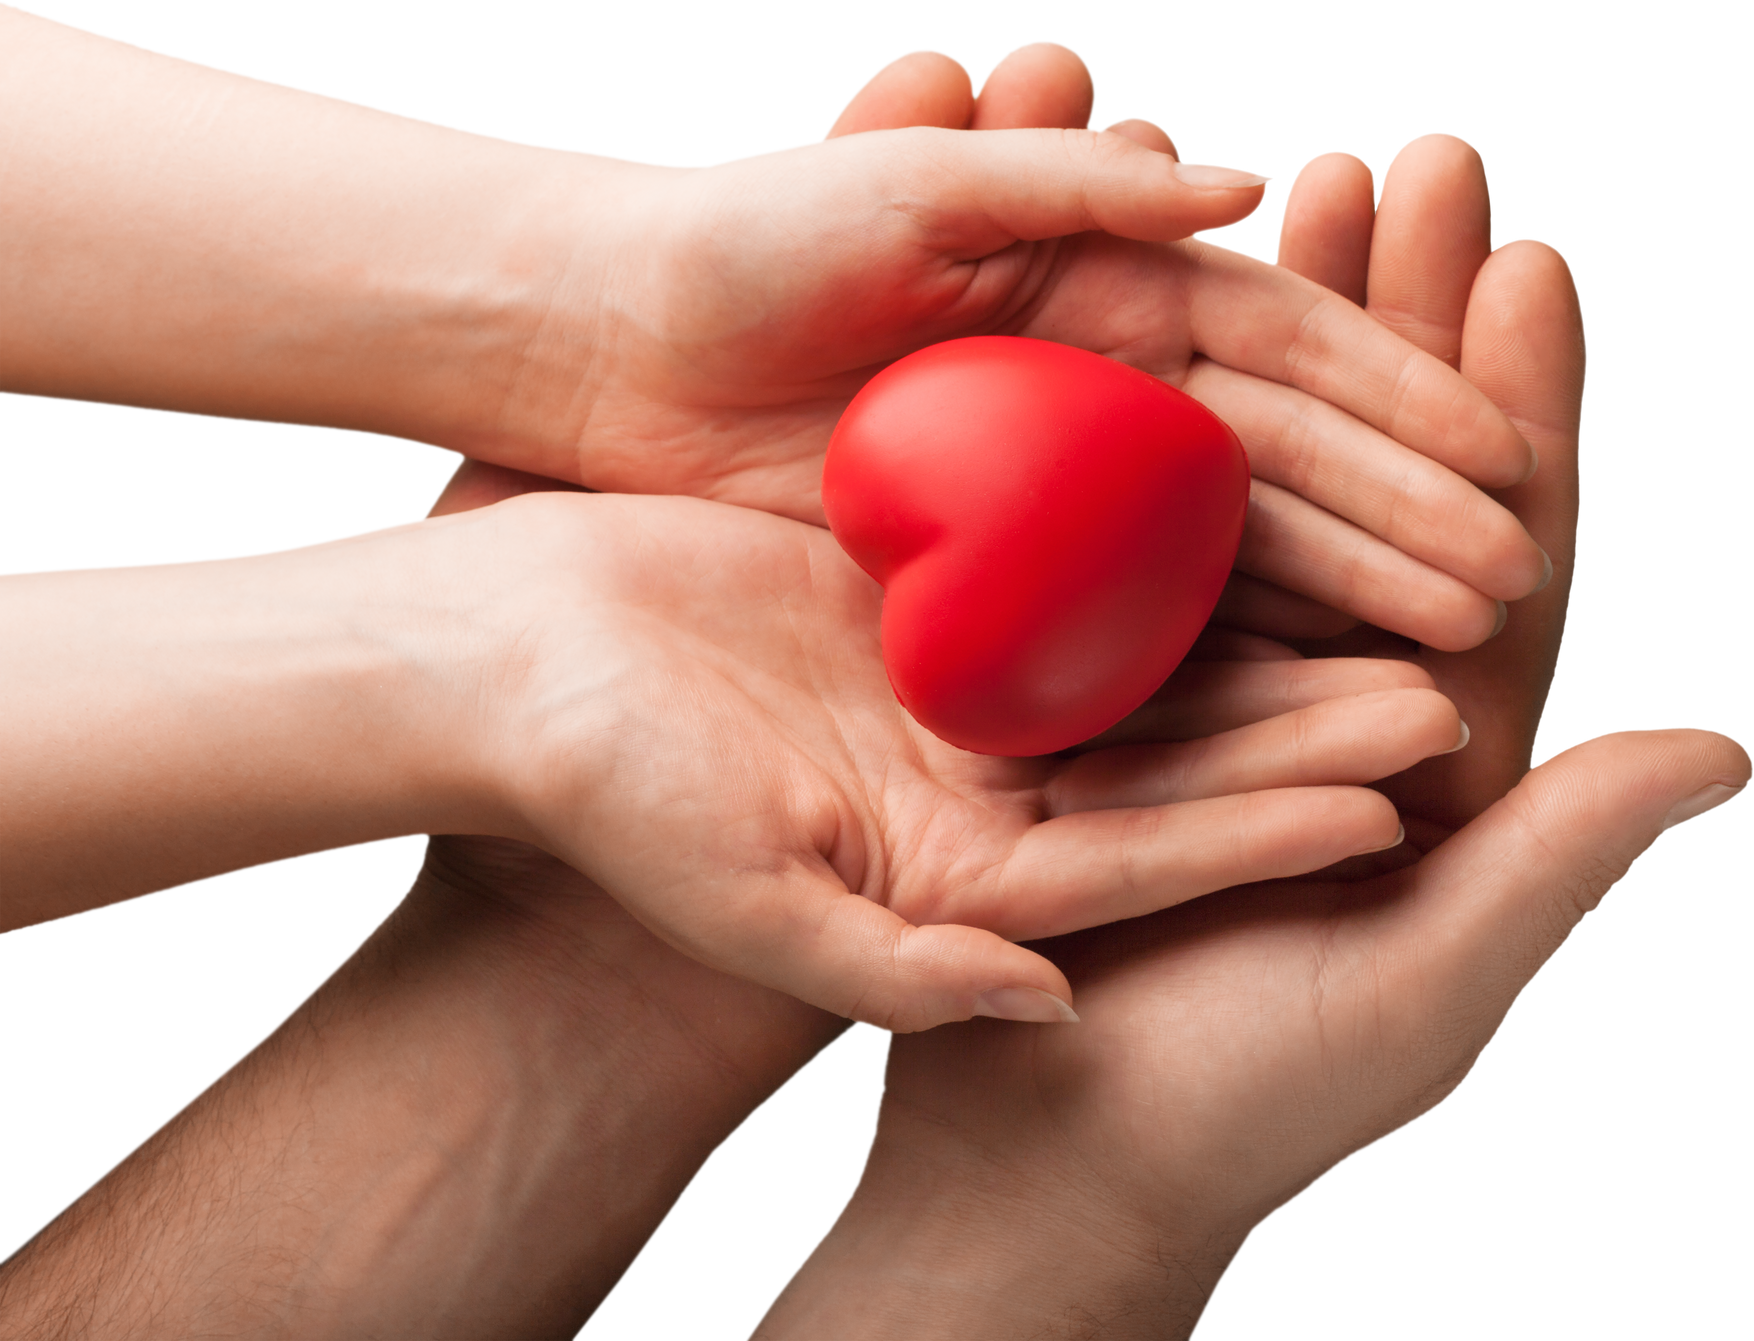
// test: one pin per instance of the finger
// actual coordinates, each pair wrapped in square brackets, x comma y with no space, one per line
[1433,233]
[921,89]
[1523,345]
[1153,137]
[1098,866]
[1273,612]
[1216,644]
[800,931]
[1356,739]
[478,484]
[1274,324]
[1204,698]
[1038,85]
[1488,907]
[1354,471]
[986,191]
[1289,541]
[1326,236]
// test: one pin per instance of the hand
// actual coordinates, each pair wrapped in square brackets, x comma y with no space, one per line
[1507,319]
[1234,1048]
[734,354]
[699,721]
[1231,1050]
[666,331]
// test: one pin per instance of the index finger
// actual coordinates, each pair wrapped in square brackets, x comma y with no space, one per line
[1276,324]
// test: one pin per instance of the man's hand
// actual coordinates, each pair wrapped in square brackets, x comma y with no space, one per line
[1055,1183]
[1235,1047]
[1509,320]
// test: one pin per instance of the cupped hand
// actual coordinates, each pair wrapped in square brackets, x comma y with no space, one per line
[1235,1047]
[727,335]
[1231,1050]
[694,713]
[1509,319]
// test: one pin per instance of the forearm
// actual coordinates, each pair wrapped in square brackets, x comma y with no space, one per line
[166,724]
[469,1131]
[178,237]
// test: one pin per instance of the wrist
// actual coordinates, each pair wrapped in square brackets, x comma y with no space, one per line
[943,1239]
[494,346]
[169,724]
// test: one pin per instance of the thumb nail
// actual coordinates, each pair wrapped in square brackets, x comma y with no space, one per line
[1546,572]
[1204,178]
[1029,1004]
[1400,837]
[1707,798]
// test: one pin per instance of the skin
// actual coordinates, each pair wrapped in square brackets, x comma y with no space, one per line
[545,670]
[1097,1183]
[504,964]
[469,1131]
[665,331]
[598,674]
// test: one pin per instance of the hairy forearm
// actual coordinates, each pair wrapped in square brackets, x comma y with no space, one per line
[182,238]
[167,724]
[469,1131]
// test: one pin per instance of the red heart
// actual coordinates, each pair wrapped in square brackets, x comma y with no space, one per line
[1051,529]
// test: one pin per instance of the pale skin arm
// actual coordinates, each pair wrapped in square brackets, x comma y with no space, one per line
[684,700]
[183,238]
[167,724]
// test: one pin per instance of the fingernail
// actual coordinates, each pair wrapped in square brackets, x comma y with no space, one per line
[1708,798]
[1460,743]
[1028,1004]
[1206,178]
[1400,837]
[1534,464]
[1546,571]
[1503,617]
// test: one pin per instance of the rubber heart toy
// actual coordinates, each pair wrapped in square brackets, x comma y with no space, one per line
[1051,529]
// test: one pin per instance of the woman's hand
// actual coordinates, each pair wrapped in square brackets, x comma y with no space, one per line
[690,707]
[739,333]
[668,331]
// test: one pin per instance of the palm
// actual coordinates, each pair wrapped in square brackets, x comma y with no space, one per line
[758,637]
[762,637]
[1291,1013]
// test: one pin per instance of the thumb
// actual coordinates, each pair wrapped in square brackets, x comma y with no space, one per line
[1494,902]
[801,931]
[979,192]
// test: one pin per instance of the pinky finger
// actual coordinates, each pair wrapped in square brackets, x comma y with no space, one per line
[1093,867]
